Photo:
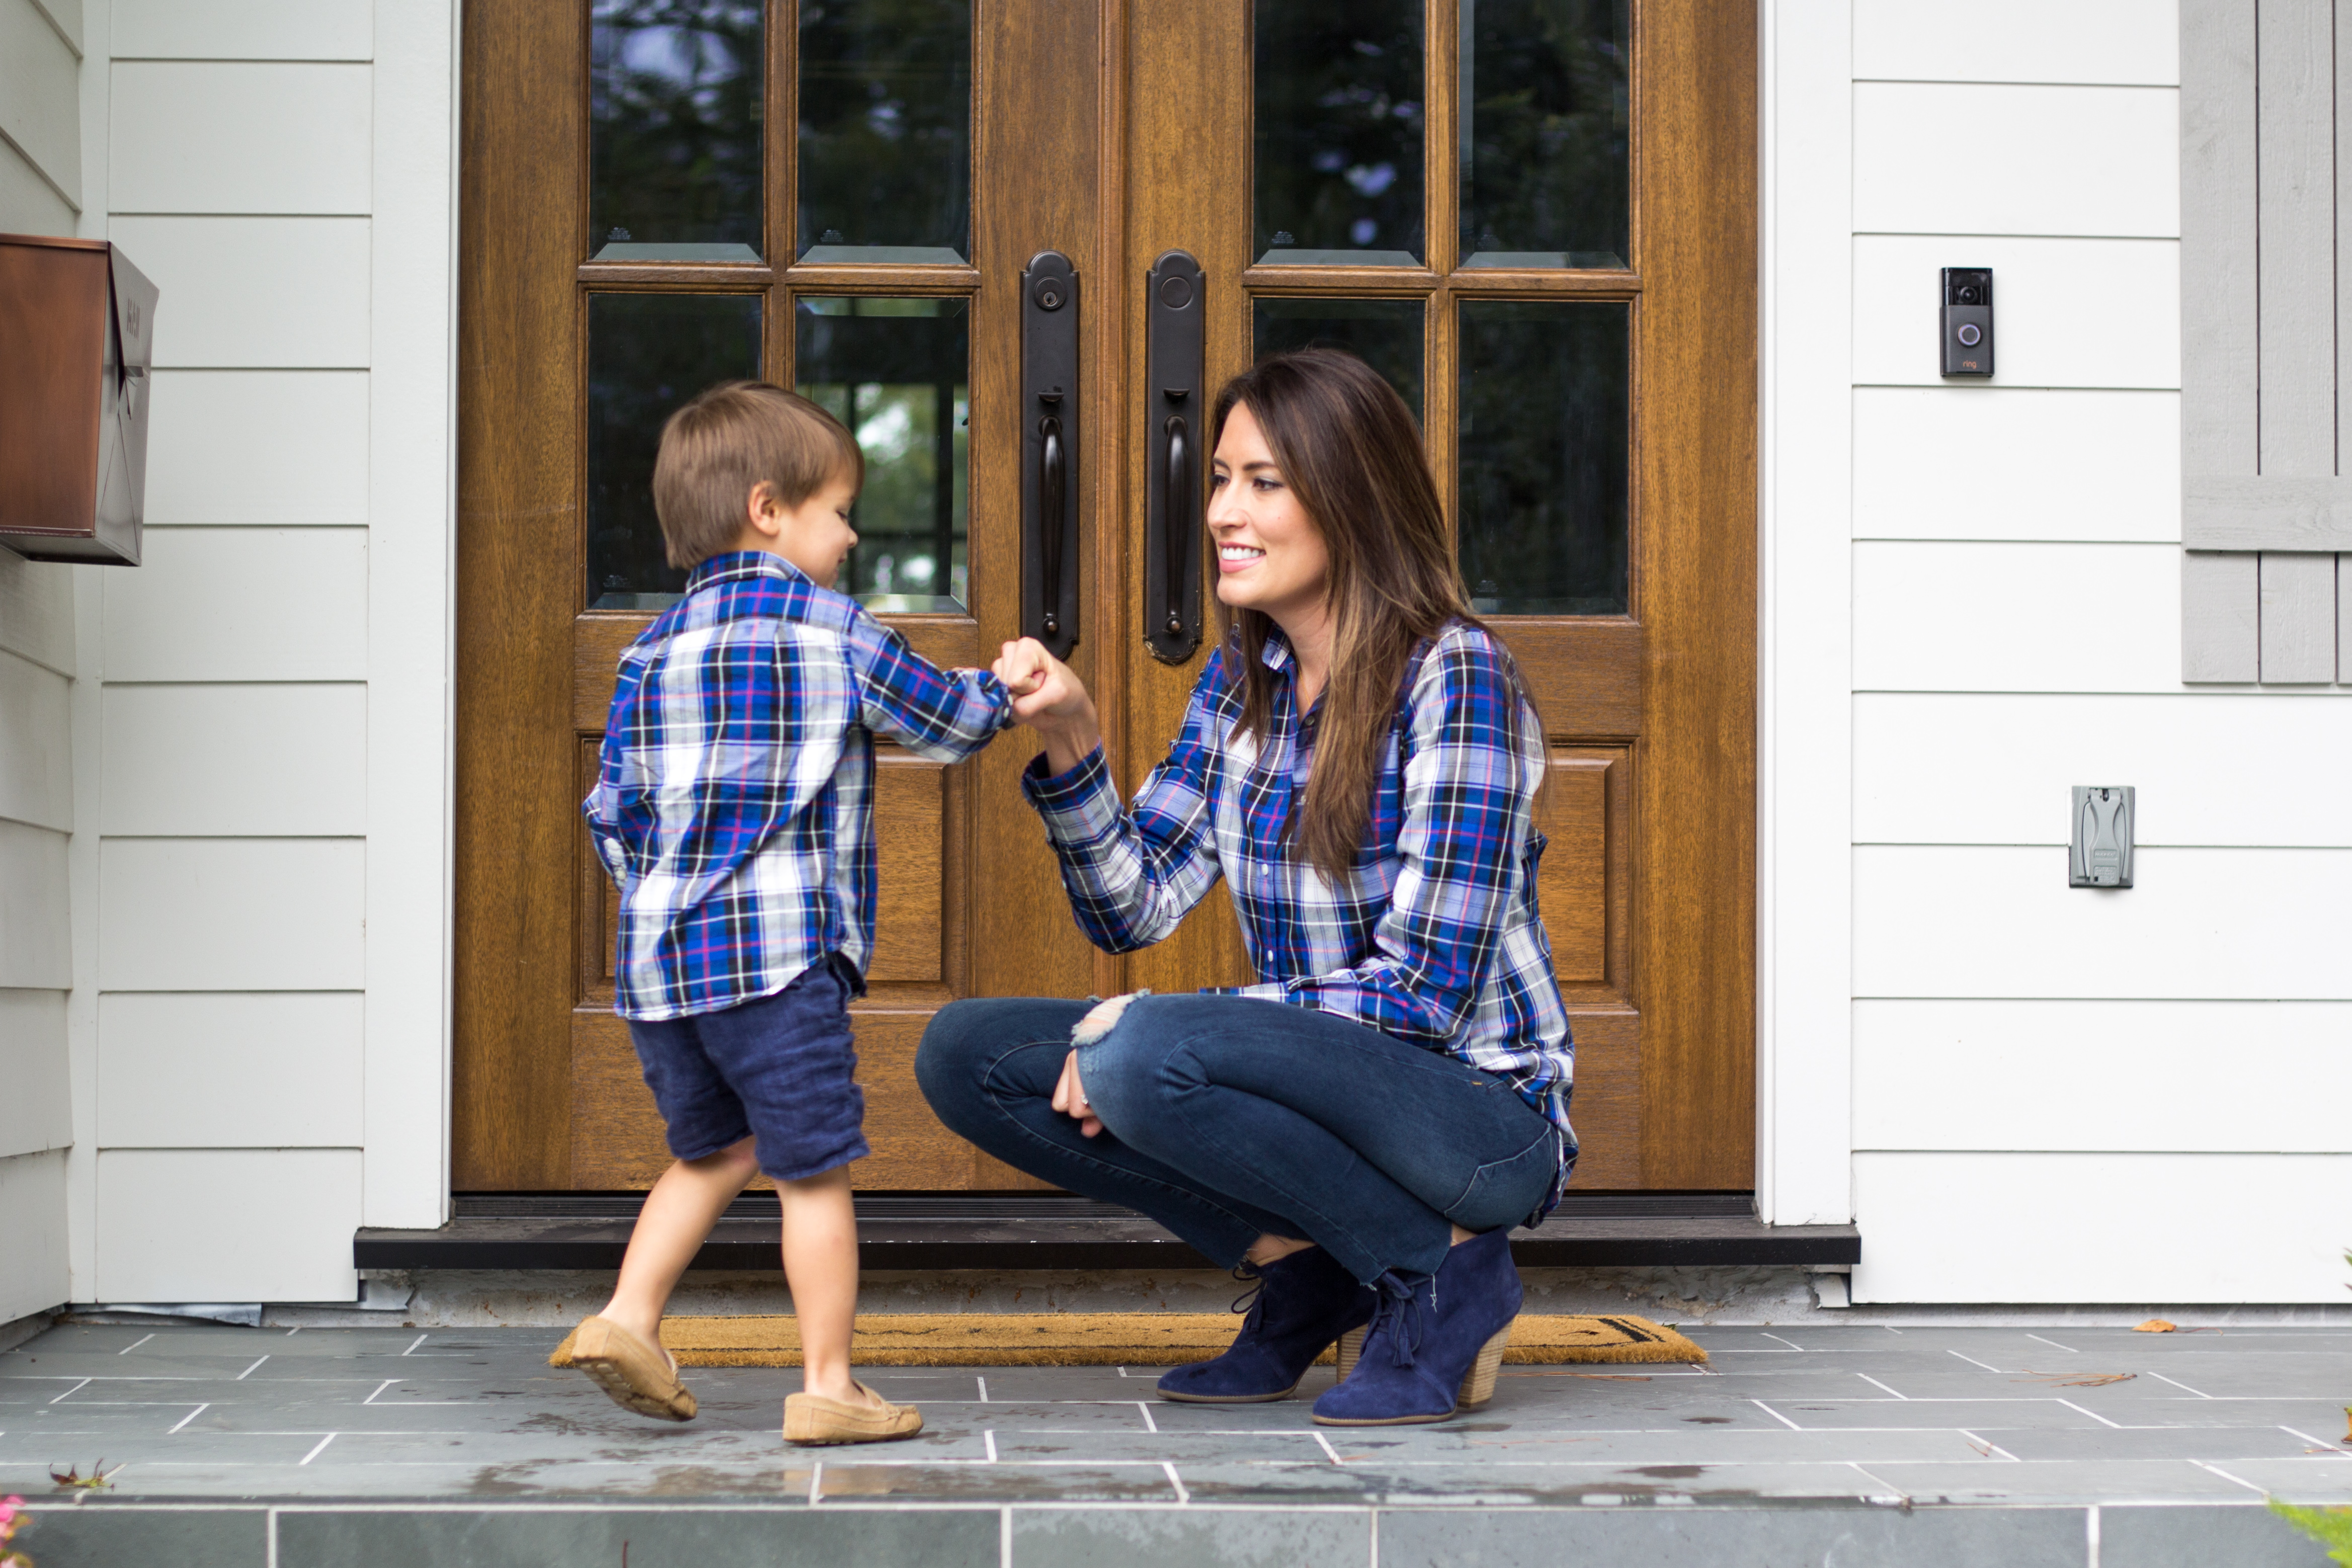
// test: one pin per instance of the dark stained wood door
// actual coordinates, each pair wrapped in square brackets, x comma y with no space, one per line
[597,280]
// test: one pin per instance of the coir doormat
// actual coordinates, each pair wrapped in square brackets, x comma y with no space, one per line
[1108,1339]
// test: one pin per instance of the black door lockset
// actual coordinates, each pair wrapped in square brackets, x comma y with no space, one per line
[1964,323]
[1049,452]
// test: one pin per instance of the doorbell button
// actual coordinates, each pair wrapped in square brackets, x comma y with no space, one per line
[1970,336]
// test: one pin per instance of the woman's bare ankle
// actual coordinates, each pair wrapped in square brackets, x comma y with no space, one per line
[1271,1248]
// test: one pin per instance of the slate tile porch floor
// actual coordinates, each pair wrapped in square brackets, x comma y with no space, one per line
[1850,1444]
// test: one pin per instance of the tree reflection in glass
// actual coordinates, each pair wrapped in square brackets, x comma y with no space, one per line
[674,115]
[897,372]
[1383,333]
[647,353]
[1543,135]
[885,130]
[1339,131]
[1543,455]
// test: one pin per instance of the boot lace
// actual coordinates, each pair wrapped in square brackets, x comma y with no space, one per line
[1252,1301]
[1399,1314]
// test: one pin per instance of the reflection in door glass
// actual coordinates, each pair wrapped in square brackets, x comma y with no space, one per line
[647,353]
[674,93]
[1543,457]
[1339,132]
[885,130]
[1543,132]
[897,372]
[1383,333]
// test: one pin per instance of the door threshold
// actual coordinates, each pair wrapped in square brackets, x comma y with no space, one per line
[927,1231]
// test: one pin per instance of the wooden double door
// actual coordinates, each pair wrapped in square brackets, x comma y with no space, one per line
[1535,217]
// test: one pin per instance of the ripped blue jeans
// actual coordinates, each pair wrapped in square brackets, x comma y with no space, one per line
[1229,1117]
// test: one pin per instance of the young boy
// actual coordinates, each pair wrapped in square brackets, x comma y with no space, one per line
[734,808]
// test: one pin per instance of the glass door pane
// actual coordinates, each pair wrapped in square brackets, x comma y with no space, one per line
[1543,457]
[1339,132]
[674,118]
[885,130]
[1383,333]
[648,353]
[1543,106]
[896,372]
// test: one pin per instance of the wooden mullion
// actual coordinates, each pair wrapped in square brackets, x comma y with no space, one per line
[882,278]
[1441,134]
[1341,282]
[671,276]
[1441,412]
[780,150]
[1495,283]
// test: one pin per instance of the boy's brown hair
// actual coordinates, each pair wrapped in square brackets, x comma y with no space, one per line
[731,438]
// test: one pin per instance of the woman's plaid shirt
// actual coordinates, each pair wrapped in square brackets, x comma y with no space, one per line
[1434,938]
[735,801]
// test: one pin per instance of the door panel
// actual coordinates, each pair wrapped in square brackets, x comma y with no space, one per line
[1548,250]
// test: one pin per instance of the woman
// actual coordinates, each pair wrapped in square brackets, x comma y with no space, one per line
[1359,762]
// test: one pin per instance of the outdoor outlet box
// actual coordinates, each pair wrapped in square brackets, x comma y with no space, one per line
[2101,855]
[1964,326]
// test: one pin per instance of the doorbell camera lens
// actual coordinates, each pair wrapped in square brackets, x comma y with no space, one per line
[1968,294]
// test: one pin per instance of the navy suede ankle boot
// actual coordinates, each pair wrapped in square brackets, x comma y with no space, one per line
[1304,1302]
[1435,1342]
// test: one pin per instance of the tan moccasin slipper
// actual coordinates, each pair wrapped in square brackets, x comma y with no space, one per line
[811,1418]
[637,1375]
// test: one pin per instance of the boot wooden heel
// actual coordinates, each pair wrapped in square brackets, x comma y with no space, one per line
[1479,1387]
[1351,1346]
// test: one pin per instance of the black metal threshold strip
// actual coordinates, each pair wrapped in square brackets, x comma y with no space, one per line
[1036,1231]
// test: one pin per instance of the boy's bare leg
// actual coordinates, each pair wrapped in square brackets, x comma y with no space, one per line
[671,1227]
[821,1266]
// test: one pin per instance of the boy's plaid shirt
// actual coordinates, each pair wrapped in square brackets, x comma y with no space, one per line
[1435,937]
[735,802]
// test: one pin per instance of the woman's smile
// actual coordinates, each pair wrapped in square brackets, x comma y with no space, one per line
[1233,558]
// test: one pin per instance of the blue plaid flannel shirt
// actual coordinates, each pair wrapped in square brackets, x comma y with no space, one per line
[1434,938]
[734,805]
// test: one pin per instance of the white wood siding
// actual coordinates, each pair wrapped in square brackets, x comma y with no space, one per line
[1972,767]
[2133,42]
[244,30]
[2056,1096]
[2015,160]
[2066,312]
[267,761]
[40,192]
[2016,463]
[227,1225]
[241,604]
[2111,1228]
[231,915]
[40,99]
[33,1200]
[239,137]
[258,447]
[2073,1076]
[247,761]
[278,292]
[229,1069]
[36,1113]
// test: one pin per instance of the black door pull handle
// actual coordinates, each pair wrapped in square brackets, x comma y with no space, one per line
[1052,492]
[1180,487]
[1050,446]
[1175,351]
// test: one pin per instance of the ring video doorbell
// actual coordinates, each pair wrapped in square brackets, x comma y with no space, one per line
[1965,322]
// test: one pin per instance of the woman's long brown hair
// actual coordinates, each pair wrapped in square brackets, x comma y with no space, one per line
[1351,450]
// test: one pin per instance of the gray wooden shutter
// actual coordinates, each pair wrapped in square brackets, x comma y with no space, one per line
[2266,500]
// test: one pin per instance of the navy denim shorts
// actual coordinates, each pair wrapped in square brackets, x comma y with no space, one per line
[781,1069]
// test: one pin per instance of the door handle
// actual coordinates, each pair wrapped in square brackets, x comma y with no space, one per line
[1049,448]
[1174,353]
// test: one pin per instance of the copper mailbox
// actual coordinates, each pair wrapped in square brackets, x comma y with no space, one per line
[77,330]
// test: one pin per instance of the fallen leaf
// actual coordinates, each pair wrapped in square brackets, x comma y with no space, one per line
[100,1477]
[2156,1325]
[2079,1379]
[2347,1423]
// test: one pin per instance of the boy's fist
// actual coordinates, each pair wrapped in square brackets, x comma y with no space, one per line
[1046,693]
